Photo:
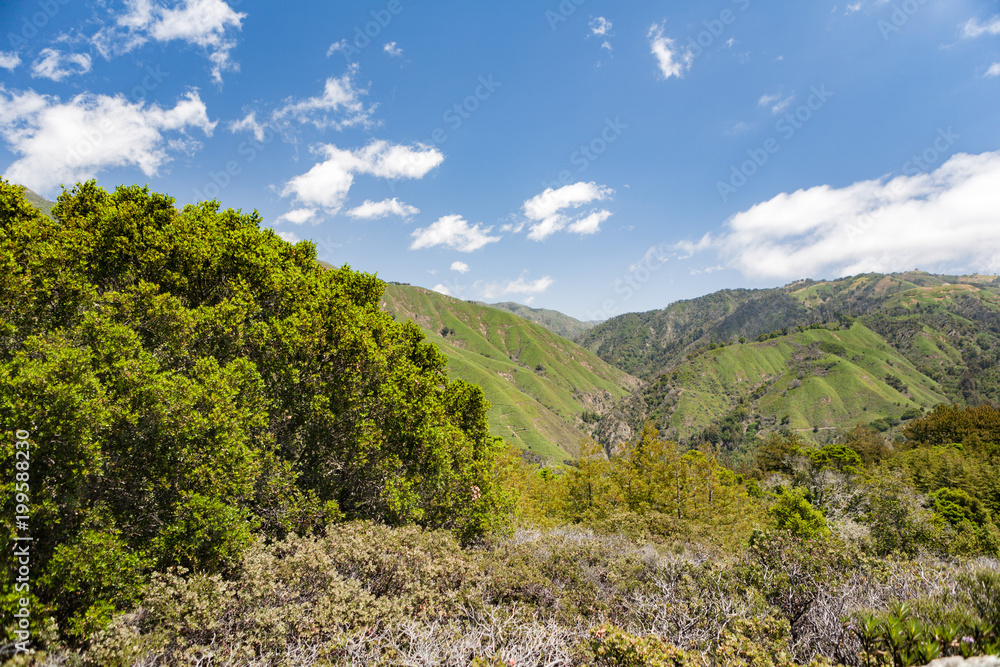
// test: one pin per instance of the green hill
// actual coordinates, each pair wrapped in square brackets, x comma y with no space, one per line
[817,356]
[647,343]
[817,378]
[541,386]
[39,202]
[553,320]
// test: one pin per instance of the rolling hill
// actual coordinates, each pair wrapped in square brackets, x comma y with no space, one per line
[541,386]
[819,378]
[645,344]
[815,356]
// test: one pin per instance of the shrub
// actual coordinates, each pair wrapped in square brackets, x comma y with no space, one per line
[792,512]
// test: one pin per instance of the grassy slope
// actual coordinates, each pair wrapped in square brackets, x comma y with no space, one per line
[560,323]
[539,383]
[646,344]
[940,335]
[39,202]
[835,390]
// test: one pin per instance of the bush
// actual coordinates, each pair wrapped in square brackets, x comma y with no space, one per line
[792,512]
[192,379]
[359,575]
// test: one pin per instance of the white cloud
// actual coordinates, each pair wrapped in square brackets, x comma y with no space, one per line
[590,224]
[9,60]
[948,218]
[392,49]
[993,71]
[671,60]
[600,26]
[65,142]
[326,185]
[336,46]
[973,28]
[707,270]
[249,122]
[442,289]
[521,285]
[338,107]
[298,216]
[689,248]
[453,231]
[56,65]
[546,210]
[372,210]
[288,236]
[855,7]
[461,267]
[204,23]
[776,102]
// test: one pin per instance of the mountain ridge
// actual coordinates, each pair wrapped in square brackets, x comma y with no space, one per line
[911,340]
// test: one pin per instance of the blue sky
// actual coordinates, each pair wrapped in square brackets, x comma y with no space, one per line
[577,155]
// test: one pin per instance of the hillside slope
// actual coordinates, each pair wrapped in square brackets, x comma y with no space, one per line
[539,384]
[817,378]
[646,344]
[891,345]
[553,320]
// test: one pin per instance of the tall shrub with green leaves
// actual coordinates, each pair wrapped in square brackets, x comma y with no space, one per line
[189,380]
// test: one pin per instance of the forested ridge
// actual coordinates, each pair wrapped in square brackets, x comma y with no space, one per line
[237,458]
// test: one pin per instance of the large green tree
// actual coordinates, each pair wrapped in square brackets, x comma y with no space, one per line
[189,380]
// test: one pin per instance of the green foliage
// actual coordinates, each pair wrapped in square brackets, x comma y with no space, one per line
[898,522]
[89,579]
[833,348]
[956,506]
[869,445]
[792,512]
[189,379]
[897,384]
[611,646]
[909,638]
[974,426]
[652,490]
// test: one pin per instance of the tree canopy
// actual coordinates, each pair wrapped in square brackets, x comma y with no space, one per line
[190,380]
